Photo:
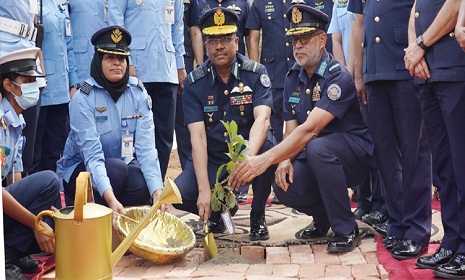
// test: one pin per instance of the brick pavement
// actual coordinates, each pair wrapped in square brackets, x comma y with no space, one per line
[301,262]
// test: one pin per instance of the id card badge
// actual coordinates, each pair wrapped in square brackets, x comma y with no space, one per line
[33,7]
[127,145]
[169,12]
[68,27]
[228,222]
[105,10]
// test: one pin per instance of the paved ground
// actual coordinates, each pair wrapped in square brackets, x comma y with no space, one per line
[272,263]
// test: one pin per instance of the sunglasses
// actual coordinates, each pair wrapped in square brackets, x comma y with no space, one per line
[304,39]
[223,40]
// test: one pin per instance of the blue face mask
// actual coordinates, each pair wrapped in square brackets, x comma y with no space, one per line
[30,95]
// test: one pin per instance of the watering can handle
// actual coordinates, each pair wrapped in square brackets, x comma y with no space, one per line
[39,219]
[83,195]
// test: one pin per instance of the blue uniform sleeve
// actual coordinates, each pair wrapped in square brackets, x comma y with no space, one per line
[72,65]
[116,12]
[193,14]
[287,92]
[18,163]
[337,94]
[146,152]
[334,24]
[192,107]
[245,18]
[87,139]
[177,33]
[253,19]
[355,6]
[262,94]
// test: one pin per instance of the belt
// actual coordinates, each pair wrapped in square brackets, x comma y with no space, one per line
[18,28]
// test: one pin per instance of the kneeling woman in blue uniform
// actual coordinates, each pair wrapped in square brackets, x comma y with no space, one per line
[24,198]
[111,118]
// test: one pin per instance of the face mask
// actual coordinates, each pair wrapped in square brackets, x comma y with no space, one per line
[30,95]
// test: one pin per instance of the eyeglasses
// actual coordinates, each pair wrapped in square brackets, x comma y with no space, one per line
[223,40]
[304,39]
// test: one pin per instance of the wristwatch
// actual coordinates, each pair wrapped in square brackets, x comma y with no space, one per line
[76,86]
[420,43]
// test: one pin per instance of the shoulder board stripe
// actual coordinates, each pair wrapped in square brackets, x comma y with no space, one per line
[195,75]
[333,67]
[86,88]
[250,65]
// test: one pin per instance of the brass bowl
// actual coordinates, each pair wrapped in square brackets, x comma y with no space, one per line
[165,239]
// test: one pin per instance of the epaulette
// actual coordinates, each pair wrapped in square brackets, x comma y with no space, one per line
[133,81]
[250,65]
[86,88]
[198,73]
[140,84]
[334,66]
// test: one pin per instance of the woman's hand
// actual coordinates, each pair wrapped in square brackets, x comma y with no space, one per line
[164,207]
[46,243]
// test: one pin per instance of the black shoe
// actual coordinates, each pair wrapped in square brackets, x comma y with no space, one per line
[215,223]
[409,249]
[314,231]
[454,269]
[359,212]
[12,272]
[241,197]
[441,256]
[391,242]
[275,200]
[258,229]
[341,243]
[374,217]
[381,229]
[27,264]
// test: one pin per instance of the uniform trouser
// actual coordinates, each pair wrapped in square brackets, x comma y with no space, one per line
[164,113]
[443,107]
[321,179]
[276,119]
[183,139]
[52,131]
[36,192]
[31,117]
[187,183]
[403,156]
[127,181]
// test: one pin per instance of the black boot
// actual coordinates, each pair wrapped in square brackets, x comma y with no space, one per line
[27,264]
[258,229]
[12,272]
[216,224]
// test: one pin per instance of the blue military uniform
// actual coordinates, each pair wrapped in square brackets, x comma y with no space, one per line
[443,106]
[87,16]
[36,192]
[403,156]
[101,127]
[320,184]
[240,7]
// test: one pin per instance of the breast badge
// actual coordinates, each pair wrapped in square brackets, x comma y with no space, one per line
[316,94]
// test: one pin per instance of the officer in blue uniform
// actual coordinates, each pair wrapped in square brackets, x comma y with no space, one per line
[327,146]
[112,131]
[24,198]
[402,152]
[438,63]
[227,87]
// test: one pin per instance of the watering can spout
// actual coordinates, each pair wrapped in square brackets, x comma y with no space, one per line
[170,195]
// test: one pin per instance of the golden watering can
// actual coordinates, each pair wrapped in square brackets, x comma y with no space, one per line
[83,233]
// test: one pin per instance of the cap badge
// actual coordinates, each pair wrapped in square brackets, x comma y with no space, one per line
[219,17]
[296,15]
[116,36]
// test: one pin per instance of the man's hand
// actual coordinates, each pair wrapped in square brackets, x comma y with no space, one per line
[46,243]
[422,70]
[164,207]
[361,90]
[72,91]
[181,76]
[413,55]
[203,204]
[246,171]
[284,169]
[460,36]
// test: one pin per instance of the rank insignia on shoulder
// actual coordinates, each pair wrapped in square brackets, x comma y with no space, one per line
[149,102]
[101,109]
[195,75]
[250,65]
[265,80]
[334,67]
[334,92]
[86,88]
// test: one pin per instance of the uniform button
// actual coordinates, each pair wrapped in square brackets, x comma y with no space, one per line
[377,39]
[287,44]
[224,114]
[288,59]
[238,65]
[226,92]
[265,59]
[284,1]
[269,17]
[452,34]
[225,134]
[417,14]
[308,112]
[293,112]
[376,19]
[362,45]
[208,70]
[284,15]
[242,114]
[219,4]
[285,29]
[307,91]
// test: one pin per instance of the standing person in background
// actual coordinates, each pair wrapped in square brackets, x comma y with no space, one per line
[87,16]
[370,200]
[193,47]
[24,198]
[62,83]
[436,60]
[325,6]
[401,149]
[157,52]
